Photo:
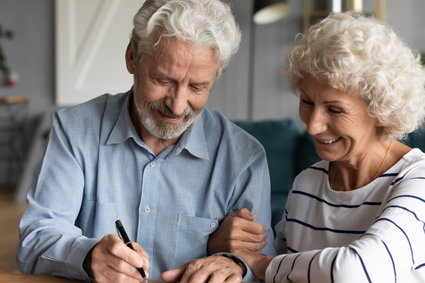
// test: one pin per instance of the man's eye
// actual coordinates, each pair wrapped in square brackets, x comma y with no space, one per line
[196,88]
[307,102]
[335,110]
[163,82]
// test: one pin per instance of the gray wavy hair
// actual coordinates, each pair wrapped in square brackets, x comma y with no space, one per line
[208,23]
[358,54]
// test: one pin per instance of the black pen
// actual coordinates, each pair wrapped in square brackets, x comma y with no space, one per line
[124,237]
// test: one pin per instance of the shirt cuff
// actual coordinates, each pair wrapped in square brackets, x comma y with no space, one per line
[78,254]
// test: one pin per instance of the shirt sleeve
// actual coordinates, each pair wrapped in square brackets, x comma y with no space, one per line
[280,239]
[256,197]
[50,242]
[392,247]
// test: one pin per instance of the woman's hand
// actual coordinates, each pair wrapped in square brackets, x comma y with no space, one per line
[257,262]
[238,232]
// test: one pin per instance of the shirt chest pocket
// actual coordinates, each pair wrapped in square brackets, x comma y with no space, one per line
[192,236]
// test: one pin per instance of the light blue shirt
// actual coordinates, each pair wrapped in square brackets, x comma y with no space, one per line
[96,170]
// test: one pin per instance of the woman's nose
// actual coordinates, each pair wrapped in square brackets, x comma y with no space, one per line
[316,122]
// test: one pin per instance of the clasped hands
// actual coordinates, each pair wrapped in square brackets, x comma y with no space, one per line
[111,260]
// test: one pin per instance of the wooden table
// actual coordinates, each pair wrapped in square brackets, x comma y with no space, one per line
[23,278]
[26,278]
[18,278]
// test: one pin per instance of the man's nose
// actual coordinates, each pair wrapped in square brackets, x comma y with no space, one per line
[177,101]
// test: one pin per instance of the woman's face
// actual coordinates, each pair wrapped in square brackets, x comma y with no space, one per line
[338,122]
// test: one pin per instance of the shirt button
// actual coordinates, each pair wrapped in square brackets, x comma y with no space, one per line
[212,225]
[152,164]
[147,209]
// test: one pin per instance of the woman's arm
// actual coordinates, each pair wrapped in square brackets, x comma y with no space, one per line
[390,249]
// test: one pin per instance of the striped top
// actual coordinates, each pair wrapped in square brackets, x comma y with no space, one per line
[371,234]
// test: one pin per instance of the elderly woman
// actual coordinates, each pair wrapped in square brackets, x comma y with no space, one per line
[359,214]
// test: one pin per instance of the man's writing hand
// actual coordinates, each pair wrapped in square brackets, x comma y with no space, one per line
[212,269]
[111,260]
[238,232]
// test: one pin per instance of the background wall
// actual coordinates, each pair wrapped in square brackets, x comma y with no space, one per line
[31,54]
[239,94]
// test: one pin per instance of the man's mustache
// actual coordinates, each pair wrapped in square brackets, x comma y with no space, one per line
[161,107]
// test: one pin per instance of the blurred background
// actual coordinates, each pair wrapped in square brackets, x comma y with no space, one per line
[60,53]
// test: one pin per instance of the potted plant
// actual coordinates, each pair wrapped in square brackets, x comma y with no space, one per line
[5,72]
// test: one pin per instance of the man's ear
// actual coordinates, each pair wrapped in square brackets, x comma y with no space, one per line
[130,58]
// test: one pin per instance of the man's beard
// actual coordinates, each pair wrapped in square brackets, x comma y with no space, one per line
[160,129]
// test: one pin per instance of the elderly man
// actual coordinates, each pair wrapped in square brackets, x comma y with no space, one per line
[154,157]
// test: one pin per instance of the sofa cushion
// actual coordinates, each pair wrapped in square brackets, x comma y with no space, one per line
[306,153]
[416,139]
[280,141]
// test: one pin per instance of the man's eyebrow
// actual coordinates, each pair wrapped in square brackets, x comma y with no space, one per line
[201,83]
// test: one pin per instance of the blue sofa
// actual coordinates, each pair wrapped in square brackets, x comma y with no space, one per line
[289,151]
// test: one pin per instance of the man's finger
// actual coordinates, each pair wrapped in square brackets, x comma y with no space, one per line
[234,279]
[197,276]
[143,254]
[125,253]
[214,276]
[126,259]
[124,269]
[173,275]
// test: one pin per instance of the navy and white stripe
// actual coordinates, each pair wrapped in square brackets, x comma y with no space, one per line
[373,234]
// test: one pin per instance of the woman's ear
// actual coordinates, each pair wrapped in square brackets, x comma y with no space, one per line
[130,58]
[379,126]
[378,123]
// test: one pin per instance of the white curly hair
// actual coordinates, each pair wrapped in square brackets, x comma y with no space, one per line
[208,23]
[358,54]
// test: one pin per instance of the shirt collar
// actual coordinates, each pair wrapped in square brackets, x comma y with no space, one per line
[193,139]
[123,128]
